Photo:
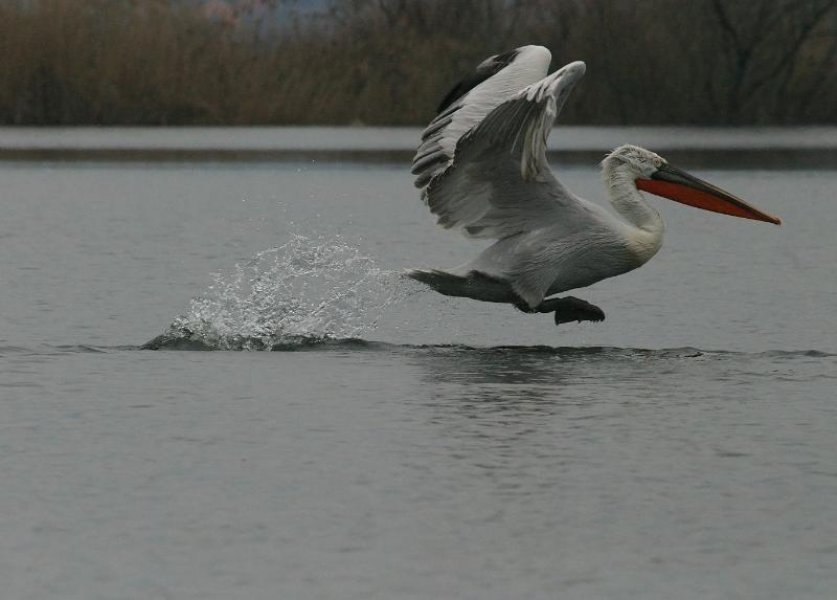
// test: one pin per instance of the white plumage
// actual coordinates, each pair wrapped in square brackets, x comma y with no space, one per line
[483,170]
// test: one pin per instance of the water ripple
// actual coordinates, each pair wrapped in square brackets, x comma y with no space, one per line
[184,340]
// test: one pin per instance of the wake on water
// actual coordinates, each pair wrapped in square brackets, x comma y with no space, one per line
[315,292]
[307,291]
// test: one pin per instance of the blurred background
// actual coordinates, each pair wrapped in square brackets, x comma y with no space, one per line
[388,62]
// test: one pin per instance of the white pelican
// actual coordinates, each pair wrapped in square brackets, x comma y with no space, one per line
[483,169]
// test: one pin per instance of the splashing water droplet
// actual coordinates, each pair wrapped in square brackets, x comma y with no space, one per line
[304,291]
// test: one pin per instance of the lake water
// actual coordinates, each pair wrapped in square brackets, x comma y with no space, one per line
[398,444]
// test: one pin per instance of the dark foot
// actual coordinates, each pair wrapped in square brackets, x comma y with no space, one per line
[571,309]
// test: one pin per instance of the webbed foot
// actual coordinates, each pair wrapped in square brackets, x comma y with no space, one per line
[570,309]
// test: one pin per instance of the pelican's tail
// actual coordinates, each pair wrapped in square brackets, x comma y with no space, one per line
[474,284]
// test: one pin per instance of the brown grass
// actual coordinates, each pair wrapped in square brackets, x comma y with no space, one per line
[389,61]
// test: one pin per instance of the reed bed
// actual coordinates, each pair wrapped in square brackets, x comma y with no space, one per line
[389,61]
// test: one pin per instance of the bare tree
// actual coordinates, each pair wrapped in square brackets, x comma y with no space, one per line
[390,61]
[763,44]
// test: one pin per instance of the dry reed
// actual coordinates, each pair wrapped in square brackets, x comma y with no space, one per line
[389,61]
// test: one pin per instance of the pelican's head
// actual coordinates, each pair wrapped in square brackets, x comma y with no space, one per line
[635,160]
[652,173]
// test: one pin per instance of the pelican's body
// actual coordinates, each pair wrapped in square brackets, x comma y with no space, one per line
[482,166]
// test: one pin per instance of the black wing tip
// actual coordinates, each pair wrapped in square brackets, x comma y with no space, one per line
[486,69]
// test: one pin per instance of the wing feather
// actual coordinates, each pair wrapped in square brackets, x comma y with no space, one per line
[497,182]
[497,79]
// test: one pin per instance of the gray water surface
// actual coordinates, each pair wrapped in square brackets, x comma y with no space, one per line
[400,444]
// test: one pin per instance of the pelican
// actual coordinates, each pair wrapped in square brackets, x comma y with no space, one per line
[482,169]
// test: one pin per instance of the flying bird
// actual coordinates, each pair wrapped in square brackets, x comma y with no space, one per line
[482,169]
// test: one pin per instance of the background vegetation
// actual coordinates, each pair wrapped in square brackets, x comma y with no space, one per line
[389,61]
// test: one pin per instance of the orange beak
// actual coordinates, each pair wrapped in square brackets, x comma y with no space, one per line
[674,184]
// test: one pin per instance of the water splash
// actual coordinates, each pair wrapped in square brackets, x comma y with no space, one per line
[307,291]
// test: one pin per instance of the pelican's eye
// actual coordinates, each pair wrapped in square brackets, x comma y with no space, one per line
[658,162]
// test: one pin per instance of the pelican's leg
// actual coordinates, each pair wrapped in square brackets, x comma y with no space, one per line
[571,309]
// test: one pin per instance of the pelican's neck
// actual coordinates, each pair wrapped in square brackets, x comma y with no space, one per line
[646,235]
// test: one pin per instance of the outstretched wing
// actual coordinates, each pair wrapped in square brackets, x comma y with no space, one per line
[495,80]
[497,182]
